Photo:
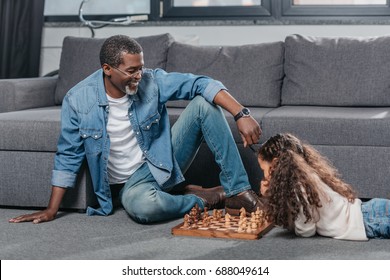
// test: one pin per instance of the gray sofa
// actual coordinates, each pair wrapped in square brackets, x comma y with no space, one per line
[332,92]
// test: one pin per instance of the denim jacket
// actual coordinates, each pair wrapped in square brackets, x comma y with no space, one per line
[84,134]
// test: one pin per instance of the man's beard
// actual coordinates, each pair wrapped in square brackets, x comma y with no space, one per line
[130,91]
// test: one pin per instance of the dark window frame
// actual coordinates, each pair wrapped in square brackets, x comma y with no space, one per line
[288,9]
[216,12]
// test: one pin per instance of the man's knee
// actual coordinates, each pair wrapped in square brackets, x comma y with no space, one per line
[141,206]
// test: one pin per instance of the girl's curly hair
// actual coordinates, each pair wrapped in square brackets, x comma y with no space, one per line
[292,184]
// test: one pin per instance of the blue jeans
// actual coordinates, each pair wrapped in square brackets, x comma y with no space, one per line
[145,201]
[376,217]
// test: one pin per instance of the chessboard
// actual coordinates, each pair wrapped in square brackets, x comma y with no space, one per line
[219,224]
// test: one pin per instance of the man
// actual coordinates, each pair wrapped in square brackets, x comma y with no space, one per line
[116,118]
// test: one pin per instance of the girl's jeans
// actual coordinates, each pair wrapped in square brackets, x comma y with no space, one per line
[376,217]
[145,201]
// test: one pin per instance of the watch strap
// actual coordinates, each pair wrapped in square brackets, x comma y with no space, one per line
[238,116]
[244,112]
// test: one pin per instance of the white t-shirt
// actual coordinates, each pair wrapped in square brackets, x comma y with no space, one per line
[125,154]
[338,218]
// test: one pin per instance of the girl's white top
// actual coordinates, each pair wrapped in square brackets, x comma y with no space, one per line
[337,218]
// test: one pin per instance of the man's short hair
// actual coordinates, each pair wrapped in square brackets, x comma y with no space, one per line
[115,46]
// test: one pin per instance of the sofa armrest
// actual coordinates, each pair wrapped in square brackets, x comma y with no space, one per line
[27,93]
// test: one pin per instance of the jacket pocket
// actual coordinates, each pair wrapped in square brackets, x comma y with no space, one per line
[151,126]
[93,141]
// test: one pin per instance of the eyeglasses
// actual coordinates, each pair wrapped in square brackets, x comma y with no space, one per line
[131,74]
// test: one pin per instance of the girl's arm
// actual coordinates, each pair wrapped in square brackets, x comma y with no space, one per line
[303,229]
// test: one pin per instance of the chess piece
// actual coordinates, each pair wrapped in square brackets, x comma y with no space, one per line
[262,218]
[227,220]
[219,215]
[253,217]
[242,212]
[215,213]
[205,213]
[242,225]
[186,223]
[198,211]
[257,215]
[194,214]
[254,221]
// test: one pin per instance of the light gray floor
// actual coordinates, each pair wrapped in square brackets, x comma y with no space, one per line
[77,236]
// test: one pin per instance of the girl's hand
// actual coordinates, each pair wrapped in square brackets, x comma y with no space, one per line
[264,188]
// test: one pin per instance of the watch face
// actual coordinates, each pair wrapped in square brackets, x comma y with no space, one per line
[246,111]
[243,113]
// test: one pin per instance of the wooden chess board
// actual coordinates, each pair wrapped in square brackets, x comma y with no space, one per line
[217,227]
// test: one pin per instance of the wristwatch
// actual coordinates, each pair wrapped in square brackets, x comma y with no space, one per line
[245,112]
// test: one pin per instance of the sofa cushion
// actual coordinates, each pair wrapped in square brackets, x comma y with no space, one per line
[25,93]
[364,167]
[252,73]
[338,126]
[80,58]
[30,130]
[337,71]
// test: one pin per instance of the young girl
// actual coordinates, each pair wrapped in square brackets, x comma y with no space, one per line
[306,194]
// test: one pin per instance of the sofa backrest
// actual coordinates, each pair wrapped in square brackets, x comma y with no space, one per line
[252,73]
[80,58]
[347,71]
